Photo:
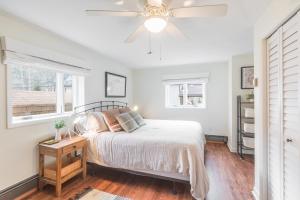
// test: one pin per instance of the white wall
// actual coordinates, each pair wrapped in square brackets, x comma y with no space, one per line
[149,95]
[277,12]
[18,146]
[234,78]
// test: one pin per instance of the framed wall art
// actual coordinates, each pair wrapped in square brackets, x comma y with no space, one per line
[115,85]
[247,77]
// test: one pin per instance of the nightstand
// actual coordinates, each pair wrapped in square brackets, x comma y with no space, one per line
[67,165]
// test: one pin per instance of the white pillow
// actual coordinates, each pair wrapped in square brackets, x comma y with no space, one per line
[95,122]
[80,124]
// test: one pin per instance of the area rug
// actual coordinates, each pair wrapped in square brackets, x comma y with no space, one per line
[94,194]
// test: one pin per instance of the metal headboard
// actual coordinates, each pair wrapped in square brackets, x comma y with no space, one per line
[99,106]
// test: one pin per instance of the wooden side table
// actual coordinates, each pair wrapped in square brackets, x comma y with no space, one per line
[67,164]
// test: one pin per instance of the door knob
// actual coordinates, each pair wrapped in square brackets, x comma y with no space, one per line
[289,140]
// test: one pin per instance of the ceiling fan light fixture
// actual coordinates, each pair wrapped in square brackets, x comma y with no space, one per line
[155,24]
[188,3]
[119,2]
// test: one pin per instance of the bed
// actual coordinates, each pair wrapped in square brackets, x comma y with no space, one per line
[161,148]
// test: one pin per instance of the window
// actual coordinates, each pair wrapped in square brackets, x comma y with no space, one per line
[68,93]
[36,93]
[185,94]
[33,91]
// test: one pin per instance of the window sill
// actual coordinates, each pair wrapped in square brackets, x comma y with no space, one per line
[34,121]
[185,107]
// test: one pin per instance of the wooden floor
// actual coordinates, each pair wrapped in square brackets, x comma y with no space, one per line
[230,179]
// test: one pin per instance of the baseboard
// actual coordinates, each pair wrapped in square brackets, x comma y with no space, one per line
[216,138]
[20,188]
[231,149]
[26,195]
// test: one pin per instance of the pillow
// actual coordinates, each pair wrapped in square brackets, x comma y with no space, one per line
[80,123]
[137,117]
[127,122]
[124,110]
[95,122]
[111,121]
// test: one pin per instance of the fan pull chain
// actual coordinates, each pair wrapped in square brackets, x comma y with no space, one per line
[150,45]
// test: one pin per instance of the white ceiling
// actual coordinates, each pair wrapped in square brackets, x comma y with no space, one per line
[210,40]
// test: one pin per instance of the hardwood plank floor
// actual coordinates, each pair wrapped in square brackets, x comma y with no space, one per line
[230,179]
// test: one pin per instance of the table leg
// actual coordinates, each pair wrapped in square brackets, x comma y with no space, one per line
[58,173]
[41,170]
[84,154]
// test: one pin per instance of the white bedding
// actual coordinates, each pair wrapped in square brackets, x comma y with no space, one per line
[161,147]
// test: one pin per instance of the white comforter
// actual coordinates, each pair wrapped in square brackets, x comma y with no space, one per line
[163,146]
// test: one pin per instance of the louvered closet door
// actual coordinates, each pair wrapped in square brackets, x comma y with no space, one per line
[274,119]
[283,53]
[291,108]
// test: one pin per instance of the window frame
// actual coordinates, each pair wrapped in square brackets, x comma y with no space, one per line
[184,82]
[78,83]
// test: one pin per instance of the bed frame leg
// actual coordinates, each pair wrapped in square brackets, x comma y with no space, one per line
[174,191]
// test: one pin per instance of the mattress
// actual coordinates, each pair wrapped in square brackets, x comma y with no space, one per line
[168,148]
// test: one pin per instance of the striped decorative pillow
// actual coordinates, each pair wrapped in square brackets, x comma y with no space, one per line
[111,121]
[124,110]
[127,122]
[137,117]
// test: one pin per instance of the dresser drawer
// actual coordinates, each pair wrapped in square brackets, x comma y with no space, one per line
[73,147]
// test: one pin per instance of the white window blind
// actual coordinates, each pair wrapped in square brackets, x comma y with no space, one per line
[10,57]
[21,53]
[191,78]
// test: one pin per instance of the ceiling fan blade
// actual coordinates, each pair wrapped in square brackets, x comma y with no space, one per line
[155,2]
[174,31]
[200,11]
[112,13]
[141,29]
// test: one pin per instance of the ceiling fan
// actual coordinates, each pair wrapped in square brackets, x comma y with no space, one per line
[157,14]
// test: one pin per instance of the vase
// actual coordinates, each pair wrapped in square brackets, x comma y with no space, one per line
[58,135]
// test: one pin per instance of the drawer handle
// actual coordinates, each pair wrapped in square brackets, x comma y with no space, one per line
[74,147]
